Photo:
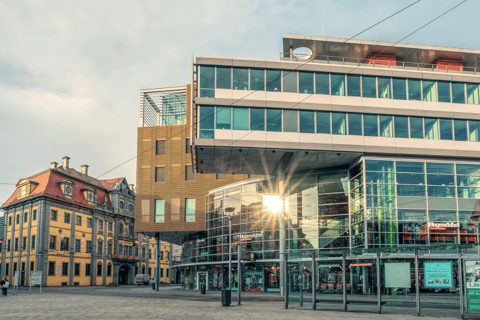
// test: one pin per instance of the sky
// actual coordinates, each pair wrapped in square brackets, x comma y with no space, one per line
[71,72]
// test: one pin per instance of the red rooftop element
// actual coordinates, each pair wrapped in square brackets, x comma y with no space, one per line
[48,186]
[383,60]
[449,65]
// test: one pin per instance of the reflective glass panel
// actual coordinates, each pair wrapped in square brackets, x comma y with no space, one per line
[339,123]
[240,79]
[474,127]
[429,91]
[444,192]
[207,117]
[369,86]
[472,93]
[441,179]
[355,124]
[431,129]
[305,82]
[379,165]
[458,92]
[386,126]
[416,128]
[223,118]
[240,118]
[461,133]
[322,85]
[401,127]
[470,169]
[370,125]
[338,84]
[224,77]
[289,81]
[307,121]
[443,91]
[443,168]
[257,79]
[446,132]
[323,122]
[353,85]
[410,178]
[414,92]
[274,120]
[399,89]
[257,119]
[290,118]
[384,88]
[274,80]
[207,77]
[411,191]
[407,166]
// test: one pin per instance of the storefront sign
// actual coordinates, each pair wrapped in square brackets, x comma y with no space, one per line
[472,277]
[438,275]
[441,225]
[328,265]
[361,265]
[249,236]
[397,275]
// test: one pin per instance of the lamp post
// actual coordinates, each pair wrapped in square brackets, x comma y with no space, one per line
[230,252]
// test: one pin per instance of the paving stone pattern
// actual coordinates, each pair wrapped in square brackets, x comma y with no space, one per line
[131,302]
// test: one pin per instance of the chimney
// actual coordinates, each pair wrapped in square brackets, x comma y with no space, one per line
[53,165]
[131,187]
[66,163]
[85,170]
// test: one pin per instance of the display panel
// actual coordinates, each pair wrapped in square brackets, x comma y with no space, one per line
[438,275]
[397,275]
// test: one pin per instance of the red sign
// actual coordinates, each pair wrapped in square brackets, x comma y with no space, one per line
[361,265]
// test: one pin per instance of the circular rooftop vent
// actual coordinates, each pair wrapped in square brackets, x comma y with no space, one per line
[302,53]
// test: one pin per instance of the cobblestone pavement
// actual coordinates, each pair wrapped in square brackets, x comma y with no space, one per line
[143,303]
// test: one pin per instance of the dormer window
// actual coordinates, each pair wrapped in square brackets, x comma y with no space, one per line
[90,195]
[25,187]
[67,188]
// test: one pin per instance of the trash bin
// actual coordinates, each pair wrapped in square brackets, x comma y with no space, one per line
[203,289]
[226,297]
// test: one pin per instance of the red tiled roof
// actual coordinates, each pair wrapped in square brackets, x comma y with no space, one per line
[48,186]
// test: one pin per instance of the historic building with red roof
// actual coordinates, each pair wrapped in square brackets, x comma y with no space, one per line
[76,229]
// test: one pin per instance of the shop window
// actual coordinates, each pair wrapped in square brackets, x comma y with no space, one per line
[257,119]
[240,79]
[257,79]
[322,83]
[223,118]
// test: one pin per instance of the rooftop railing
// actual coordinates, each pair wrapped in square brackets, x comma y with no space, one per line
[388,63]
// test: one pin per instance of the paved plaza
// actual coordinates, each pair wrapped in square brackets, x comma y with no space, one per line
[131,302]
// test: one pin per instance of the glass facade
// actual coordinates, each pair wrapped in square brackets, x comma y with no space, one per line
[338,123]
[337,84]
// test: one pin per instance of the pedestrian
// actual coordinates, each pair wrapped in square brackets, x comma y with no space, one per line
[4,285]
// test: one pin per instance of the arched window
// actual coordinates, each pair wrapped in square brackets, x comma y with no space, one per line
[109,270]
[99,269]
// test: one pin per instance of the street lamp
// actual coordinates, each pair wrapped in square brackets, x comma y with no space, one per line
[230,218]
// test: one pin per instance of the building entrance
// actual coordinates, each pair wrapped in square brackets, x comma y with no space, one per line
[123,275]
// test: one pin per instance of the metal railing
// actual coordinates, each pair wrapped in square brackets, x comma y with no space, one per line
[323,59]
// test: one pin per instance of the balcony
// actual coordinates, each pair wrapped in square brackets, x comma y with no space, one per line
[124,257]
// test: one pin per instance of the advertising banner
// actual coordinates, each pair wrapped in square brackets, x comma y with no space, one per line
[438,275]
[472,276]
[397,275]
[15,279]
